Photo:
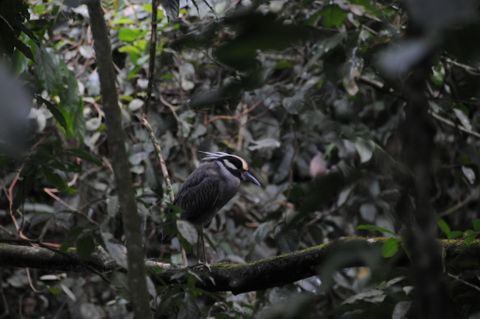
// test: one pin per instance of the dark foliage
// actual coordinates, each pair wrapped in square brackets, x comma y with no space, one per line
[322,100]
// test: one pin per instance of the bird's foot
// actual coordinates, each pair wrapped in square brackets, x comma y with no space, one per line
[201,266]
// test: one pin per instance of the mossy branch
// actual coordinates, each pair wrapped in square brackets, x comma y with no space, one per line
[256,275]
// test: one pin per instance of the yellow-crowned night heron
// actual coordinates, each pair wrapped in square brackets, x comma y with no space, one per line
[209,188]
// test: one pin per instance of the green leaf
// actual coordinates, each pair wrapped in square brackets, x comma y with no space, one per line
[171,8]
[167,76]
[476,224]
[55,179]
[22,47]
[438,75]
[332,16]
[71,238]
[130,34]
[283,64]
[456,234]
[56,291]
[49,172]
[313,19]
[85,245]
[61,83]
[123,21]
[376,228]
[142,44]
[174,210]
[390,247]
[55,112]
[39,9]
[444,227]
[85,155]
[365,149]
[270,34]
[469,236]
[133,52]
[130,49]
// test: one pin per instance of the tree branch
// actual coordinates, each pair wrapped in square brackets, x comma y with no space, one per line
[152,55]
[121,168]
[256,275]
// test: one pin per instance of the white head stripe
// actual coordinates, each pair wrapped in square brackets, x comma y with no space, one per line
[229,164]
[210,156]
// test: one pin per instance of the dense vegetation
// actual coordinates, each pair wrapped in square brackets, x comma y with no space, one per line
[360,117]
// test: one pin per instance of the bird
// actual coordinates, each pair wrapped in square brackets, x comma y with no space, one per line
[208,188]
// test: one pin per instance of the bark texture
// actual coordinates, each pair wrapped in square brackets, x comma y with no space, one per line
[121,169]
[257,275]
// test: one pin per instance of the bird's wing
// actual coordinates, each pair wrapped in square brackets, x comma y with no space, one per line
[198,197]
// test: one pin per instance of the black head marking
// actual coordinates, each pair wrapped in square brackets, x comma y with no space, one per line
[232,162]
[235,160]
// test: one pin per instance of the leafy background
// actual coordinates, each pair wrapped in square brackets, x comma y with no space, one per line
[309,92]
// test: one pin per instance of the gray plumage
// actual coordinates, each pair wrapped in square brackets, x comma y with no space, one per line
[205,191]
[209,188]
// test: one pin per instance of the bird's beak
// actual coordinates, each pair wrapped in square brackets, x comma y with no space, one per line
[247,176]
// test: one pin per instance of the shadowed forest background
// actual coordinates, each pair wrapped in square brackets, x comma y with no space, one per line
[360,117]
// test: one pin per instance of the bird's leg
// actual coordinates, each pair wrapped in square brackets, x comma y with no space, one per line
[202,260]
[200,243]
[204,256]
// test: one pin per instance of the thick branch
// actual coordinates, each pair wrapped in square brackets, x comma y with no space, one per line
[12,255]
[257,275]
[121,169]
[431,299]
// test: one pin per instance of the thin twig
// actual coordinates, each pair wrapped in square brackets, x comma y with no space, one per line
[153,54]
[6,309]
[242,120]
[72,210]
[30,281]
[235,117]
[468,68]
[9,191]
[10,202]
[161,159]
[50,192]
[172,108]
[6,231]
[143,118]
[372,82]
[477,288]
[79,214]
[452,124]
[7,23]
[209,7]
[471,197]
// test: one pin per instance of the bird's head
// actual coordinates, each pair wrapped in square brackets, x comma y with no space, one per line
[235,164]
